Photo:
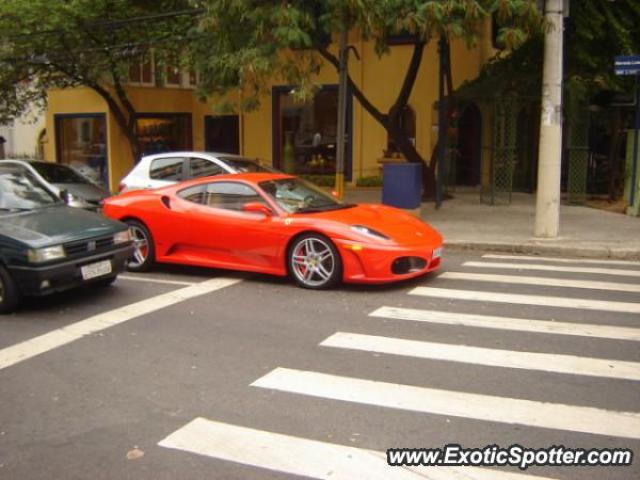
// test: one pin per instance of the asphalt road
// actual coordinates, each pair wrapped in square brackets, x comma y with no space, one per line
[288,383]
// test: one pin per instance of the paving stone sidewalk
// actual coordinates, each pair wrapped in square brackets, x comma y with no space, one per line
[468,224]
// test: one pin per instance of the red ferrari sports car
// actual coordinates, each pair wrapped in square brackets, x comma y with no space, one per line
[276,224]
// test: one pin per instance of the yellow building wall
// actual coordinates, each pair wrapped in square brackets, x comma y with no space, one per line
[379,77]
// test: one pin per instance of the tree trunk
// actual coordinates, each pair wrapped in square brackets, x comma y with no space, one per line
[391,120]
[126,121]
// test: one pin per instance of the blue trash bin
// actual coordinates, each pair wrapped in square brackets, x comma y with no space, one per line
[402,185]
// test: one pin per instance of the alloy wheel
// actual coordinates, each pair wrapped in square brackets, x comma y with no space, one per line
[140,245]
[313,262]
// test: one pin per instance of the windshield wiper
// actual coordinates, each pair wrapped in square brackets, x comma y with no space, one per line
[325,208]
[310,210]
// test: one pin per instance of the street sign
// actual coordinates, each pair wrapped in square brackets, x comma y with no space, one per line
[627,64]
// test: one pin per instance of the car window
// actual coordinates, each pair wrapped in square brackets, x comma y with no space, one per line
[167,169]
[295,195]
[193,194]
[201,167]
[230,195]
[56,173]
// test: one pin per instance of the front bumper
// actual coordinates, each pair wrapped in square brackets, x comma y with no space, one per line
[367,263]
[46,279]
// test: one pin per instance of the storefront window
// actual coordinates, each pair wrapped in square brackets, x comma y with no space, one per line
[305,133]
[159,133]
[81,144]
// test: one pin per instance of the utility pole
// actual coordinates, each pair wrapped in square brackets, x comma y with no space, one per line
[342,110]
[547,222]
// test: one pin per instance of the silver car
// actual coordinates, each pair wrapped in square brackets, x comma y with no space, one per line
[162,169]
[65,182]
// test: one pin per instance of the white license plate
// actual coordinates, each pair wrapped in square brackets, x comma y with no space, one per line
[94,270]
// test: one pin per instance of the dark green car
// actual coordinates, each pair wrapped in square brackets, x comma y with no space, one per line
[46,246]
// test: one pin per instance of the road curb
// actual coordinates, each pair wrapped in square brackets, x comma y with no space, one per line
[534,248]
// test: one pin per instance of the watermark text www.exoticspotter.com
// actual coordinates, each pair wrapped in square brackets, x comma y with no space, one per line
[514,455]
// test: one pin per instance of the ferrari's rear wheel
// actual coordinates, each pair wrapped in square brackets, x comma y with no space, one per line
[314,262]
[144,252]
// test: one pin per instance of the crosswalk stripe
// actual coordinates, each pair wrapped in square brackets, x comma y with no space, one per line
[458,404]
[553,268]
[540,300]
[545,362]
[542,281]
[310,458]
[508,323]
[62,336]
[562,260]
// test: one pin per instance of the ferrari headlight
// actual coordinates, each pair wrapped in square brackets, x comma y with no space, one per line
[122,237]
[46,254]
[361,229]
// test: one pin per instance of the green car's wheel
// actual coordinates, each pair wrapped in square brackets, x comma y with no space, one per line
[9,293]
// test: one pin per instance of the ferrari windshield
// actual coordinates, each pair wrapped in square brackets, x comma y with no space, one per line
[297,196]
[19,191]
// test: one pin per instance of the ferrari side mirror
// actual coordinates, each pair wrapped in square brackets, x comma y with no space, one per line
[257,207]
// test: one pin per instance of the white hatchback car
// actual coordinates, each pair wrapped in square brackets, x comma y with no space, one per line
[161,169]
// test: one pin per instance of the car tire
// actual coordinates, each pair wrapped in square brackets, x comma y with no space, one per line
[314,262]
[9,293]
[145,253]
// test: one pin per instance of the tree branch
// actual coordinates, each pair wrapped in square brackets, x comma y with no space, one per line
[409,79]
[364,101]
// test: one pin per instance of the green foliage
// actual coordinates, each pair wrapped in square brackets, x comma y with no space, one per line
[519,73]
[46,44]
[252,42]
[371,181]
[596,31]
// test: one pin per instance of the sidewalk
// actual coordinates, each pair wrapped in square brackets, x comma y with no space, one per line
[467,224]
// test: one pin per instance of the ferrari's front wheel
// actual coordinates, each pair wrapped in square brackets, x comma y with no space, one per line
[144,252]
[314,262]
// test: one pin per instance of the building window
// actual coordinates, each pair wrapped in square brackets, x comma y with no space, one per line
[408,126]
[164,132]
[305,133]
[81,144]
[141,70]
[222,133]
[173,74]
[193,78]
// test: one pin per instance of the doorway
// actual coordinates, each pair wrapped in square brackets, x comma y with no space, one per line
[469,146]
